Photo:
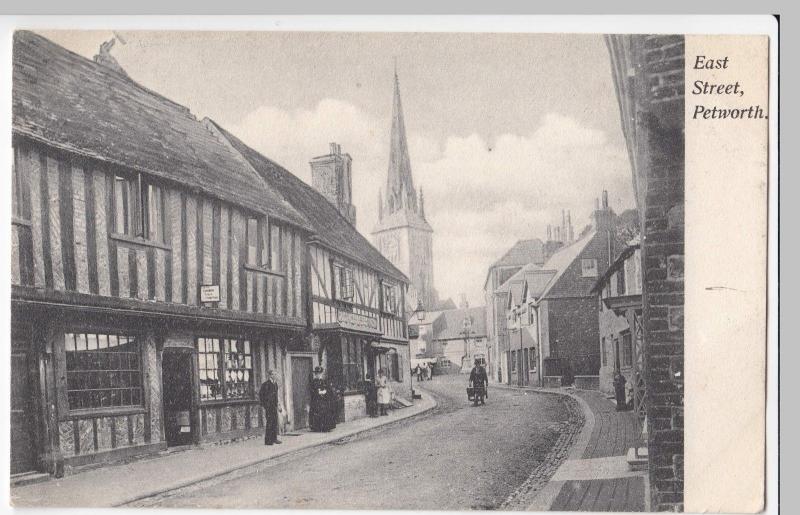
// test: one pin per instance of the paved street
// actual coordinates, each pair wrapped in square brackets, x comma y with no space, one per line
[453,458]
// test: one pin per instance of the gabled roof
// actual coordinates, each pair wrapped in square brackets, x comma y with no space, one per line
[331,227]
[72,103]
[521,253]
[537,282]
[449,325]
[616,265]
[564,257]
[517,278]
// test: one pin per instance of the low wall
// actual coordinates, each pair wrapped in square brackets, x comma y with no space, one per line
[552,381]
[587,382]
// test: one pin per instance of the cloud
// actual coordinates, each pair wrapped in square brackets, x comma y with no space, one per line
[481,194]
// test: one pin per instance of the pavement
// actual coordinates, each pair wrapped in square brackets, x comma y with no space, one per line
[595,476]
[126,483]
[526,449]
[453,457]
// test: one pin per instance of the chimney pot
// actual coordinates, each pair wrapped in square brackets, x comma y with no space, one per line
[605,199]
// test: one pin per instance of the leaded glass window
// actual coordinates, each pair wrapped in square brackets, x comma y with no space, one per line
[103,371]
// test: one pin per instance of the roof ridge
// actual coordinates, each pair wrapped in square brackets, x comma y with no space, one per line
[105,69]
[288,176]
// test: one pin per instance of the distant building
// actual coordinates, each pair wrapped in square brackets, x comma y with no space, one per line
[619,293]
[566,310]
[522,253]
[402,233]
[520,350]
[453,338]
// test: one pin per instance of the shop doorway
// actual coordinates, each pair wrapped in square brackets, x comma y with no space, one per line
[301,390]
[176,373]
[23,445]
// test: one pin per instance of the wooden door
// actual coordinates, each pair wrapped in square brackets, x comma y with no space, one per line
[23,445]
[301,391]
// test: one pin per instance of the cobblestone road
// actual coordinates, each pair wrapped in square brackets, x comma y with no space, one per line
[455,457]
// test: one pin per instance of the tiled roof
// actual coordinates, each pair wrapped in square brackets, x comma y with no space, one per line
[538,280]
[332,229]
[72,103]
[449,325]
[616,265]
[564,257]
[517,278]
[522,253]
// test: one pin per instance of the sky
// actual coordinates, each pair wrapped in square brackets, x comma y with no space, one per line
[504,130]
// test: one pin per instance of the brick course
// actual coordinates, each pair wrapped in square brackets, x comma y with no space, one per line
[652,106]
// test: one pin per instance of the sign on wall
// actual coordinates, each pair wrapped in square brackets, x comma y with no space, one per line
[209,293]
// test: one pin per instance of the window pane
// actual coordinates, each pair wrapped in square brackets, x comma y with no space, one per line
[252,241]
[95,372]
[275,258]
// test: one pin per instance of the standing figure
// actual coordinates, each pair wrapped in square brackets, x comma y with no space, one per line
[426,371]
[479,381]
[321,401]
[384,392]
[371,396]
[619,391]
[419,373]
[268,397]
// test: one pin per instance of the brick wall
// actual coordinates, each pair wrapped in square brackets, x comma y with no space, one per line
[649,76]
[574,332]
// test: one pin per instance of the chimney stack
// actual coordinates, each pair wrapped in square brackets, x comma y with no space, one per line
[331,176]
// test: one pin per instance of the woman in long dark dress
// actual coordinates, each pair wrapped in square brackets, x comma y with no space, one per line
[321,401]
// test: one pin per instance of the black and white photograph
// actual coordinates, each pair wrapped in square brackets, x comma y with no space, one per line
[354,270]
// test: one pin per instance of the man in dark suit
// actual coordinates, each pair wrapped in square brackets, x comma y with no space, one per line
[268,396]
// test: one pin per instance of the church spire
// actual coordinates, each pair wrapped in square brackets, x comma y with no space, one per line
[399,181]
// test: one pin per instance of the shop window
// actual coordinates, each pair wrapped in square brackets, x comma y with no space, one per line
[139,208]
[230,359]
[513,361]
[627,349]
[103,371]
[532,362]
[208,355]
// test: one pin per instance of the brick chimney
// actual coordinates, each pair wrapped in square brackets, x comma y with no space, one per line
[603,216]
[331,175]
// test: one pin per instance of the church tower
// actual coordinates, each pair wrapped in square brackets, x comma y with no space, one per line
[402,234]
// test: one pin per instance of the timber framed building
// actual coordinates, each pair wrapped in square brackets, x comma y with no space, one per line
[156,274]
